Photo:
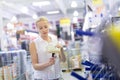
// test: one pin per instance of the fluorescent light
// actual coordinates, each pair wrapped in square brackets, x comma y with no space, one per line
[73,4]
[75,13]
[35,16]
[42,3]
[53,12]
[24,9]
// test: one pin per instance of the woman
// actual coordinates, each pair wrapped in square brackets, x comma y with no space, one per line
[45,66]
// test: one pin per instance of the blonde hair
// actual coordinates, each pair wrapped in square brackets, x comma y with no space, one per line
[41,19]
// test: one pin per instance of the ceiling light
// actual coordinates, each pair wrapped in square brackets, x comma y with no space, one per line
[43,3]
[14,19]
[6,3]
[53,12]
[10,26]
[24,10]
[35,16]
[75,13]
[75,20]
[73,4]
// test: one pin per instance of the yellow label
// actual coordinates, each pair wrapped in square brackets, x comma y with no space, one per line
[97,2]
[65,21]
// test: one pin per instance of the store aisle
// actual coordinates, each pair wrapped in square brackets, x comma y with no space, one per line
[67,75]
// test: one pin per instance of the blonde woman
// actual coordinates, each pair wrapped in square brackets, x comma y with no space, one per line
[45,66]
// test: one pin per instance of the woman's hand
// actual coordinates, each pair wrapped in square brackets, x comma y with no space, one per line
[61,54]
[51,61]
[58,46]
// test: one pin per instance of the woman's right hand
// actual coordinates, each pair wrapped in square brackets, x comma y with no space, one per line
[51,61]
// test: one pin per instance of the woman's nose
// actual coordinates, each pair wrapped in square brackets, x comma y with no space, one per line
[44,29]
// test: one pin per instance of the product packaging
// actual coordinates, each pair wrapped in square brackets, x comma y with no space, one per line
[1,73]
[5,71]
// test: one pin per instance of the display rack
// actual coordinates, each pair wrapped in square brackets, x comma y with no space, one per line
[29,70]
[13,65]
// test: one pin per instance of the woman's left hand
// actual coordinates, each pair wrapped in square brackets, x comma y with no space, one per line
[58,46]
[62,56]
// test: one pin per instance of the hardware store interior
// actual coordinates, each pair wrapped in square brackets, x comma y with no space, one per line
[87,32]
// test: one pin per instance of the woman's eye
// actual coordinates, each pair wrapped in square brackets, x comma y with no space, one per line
[40,28]
[45,26]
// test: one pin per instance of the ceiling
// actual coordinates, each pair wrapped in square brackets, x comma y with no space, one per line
[25,8]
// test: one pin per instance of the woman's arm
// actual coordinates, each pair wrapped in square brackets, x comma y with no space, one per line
[34,58]
[62,55]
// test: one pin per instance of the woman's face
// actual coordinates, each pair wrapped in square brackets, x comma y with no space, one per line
[43,27]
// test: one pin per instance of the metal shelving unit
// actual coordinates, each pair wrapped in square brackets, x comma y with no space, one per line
[13,65]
